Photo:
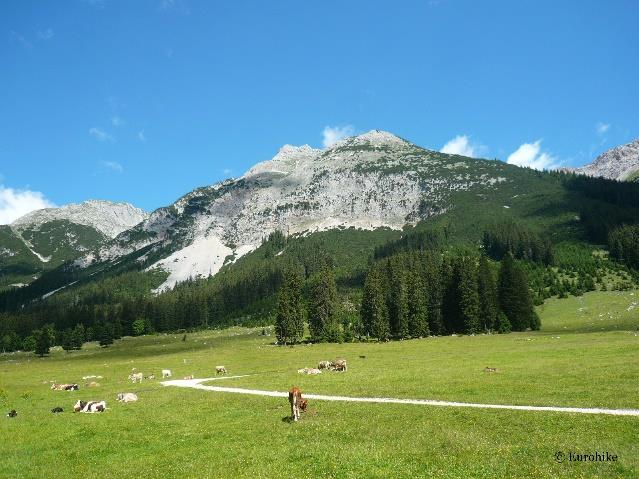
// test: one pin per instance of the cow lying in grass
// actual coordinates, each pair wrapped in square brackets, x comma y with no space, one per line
[127,397]
[296,402]
[65,387]
[90,406]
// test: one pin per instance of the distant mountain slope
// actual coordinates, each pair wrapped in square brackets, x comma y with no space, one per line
[619,163]
[369,181]
[43,239]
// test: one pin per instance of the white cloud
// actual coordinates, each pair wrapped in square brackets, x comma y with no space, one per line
[530,155]
[46,34]
[460,145]
[100,134]
[333,134]
[601,127]
[112,165]
[141,136]
[16,203]
[117,121]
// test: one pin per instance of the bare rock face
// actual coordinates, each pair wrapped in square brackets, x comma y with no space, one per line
[620,163]
[107,217]
[369,181]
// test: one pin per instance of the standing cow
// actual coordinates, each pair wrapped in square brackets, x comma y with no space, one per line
[166,373]
[220,370]
[296,402]
[136,377]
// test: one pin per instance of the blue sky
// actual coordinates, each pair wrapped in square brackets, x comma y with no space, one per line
[142,101]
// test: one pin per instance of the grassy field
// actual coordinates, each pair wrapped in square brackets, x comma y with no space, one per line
[586,355]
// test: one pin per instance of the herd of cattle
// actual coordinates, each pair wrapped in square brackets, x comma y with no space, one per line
[294,396]
[337,365]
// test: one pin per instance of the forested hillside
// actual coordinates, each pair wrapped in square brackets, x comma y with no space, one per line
[478,264]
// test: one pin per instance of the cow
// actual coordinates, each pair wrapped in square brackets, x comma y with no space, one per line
[65,387]
[340,365]
[127,397]
[220,370]
[89,406]
[490,370]
[136,377]
[12,413]
[188,378]
[57,410]
[325,365]
[166,373]
[151,376]
[296,402]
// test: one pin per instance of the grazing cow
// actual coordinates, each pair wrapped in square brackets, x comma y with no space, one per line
[324,365]
[188,378]
[12,413]
[296,402]
[166,373]
[136,377]
[340,365]
[57,410]
[490,370]
[220,370]
[89,406]
[127,397]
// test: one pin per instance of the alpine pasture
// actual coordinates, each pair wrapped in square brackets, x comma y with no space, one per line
[586,355]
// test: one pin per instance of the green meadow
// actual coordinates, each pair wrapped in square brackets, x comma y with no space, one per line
[586,355]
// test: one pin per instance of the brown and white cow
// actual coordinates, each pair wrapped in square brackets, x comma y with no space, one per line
[89,406]
[127,397]
[220,370]
[325,365]
[296,402]
[339,365]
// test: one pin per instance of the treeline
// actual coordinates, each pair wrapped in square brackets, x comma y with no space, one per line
[623,243]
[418,293]
[412,295]
[521,242]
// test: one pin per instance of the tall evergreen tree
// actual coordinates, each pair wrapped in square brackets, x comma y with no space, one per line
[323,315]
[104,334]
[417,307]
[397,298]
[515,299]
[78,336]
[289,322]
[468,296]
[487,289]
[43,342]
[373,311]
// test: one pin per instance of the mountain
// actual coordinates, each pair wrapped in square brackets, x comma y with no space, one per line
[356,202]
[375,180]
[44,239]
[620,163]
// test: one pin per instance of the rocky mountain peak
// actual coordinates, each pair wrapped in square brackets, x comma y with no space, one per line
[619,163]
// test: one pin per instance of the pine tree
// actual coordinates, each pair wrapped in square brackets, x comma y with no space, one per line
[487,289]
[323,321]
[43,342]
[417,307]
[105,334]
[78,336]
[67,340]
[468,296]
[289,323]
[374,312]
[515,299]
[433,287]
[398,300]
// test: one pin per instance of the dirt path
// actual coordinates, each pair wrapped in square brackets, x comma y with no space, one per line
[195,384]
